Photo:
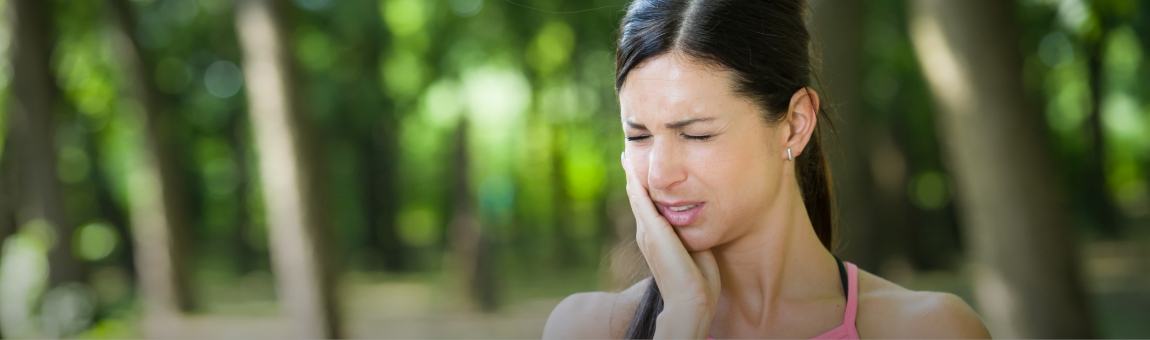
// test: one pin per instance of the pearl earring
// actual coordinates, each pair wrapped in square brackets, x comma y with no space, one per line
[790,157]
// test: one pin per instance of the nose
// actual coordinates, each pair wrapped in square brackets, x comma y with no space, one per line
[665,166]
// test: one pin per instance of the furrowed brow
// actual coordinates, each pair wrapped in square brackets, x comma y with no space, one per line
[683,123]
[635,125]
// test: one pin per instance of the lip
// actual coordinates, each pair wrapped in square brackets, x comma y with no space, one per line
[680,218]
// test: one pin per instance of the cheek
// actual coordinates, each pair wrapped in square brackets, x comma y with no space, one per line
[636,158]
[728,167]
[739,180]
[718,169]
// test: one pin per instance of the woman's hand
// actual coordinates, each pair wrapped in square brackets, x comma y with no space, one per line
[689,282]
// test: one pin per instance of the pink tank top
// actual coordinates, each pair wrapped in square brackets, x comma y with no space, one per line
[846,329]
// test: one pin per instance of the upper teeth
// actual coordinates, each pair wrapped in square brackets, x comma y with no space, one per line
[683,208]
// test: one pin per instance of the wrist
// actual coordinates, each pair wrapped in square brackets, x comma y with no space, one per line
[683,323]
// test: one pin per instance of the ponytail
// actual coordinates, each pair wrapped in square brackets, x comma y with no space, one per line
[814,176]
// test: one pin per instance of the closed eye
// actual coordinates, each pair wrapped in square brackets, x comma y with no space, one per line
[697,137]
[637,138]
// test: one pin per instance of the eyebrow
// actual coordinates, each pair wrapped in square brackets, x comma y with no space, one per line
[672,125]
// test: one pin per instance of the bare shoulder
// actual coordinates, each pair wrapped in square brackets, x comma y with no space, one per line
[594,315]
[887,310]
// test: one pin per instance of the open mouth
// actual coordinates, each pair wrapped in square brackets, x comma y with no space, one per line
[680,214]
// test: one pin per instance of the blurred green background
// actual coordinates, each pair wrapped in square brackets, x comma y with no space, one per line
[456,162]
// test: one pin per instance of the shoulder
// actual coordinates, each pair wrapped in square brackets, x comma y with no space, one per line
[596,315]
[887,310]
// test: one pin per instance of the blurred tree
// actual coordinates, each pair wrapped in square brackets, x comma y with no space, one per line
[837,29]
[1024,259]
[112,211]
[157,209]
[470,245]
[32,133]
[290,185]
[566,255]
[8,202]
[375,132]
[1096,189]
[246,257]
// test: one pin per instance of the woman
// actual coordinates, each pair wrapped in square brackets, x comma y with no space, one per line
[730,191]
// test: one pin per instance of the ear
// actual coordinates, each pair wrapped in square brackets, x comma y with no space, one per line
[802,116]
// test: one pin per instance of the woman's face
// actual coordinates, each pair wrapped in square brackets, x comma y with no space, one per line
[710,162]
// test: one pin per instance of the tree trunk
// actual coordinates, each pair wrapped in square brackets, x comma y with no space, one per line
[289,178]
[7,193]
[1097,190]
[837,32]
[1022,249]
[470,248]
[157,211]
[109,209]
[31,130]
[245,255]
[565,254]
[377,137]
[378,152]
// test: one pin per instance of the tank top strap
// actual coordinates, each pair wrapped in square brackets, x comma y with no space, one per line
[851,310]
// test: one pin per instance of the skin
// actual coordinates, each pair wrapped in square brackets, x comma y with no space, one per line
[750,265]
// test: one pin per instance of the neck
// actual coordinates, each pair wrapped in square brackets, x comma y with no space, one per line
[781,261]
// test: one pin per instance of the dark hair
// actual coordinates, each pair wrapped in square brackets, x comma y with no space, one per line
[765,46]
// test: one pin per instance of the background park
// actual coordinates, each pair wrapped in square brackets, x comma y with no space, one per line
[449,168]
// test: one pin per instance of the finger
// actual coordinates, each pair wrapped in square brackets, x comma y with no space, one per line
[635,200]
[660,245]
[648,220]
[640,200]
[650,226]
[640,204]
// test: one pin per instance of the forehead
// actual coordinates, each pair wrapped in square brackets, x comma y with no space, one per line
[672,86]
